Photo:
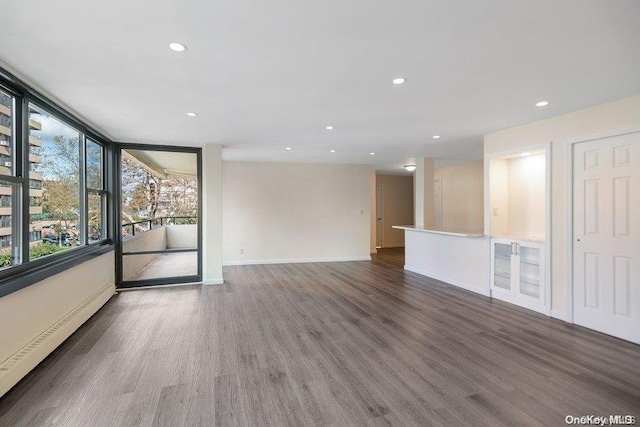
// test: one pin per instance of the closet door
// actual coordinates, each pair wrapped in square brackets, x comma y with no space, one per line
[606,231]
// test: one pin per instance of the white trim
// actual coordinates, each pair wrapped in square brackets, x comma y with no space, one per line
[603,135]
[28,357]
[449,281]
[569,201]
[548,230]
[218,281]
[546,146]
[560,315]
[294,261]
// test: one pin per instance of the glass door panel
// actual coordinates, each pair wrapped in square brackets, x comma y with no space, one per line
[530,270]
[502,265]
[160,231]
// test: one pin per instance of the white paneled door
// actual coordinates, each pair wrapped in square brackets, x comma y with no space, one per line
[606,235]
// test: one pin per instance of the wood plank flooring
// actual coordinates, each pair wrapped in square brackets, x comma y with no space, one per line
[354,343]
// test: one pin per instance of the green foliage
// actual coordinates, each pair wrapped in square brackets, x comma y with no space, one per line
[36,251]
[43,249]
[5,258]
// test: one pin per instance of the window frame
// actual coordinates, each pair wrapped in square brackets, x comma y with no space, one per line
[28,271]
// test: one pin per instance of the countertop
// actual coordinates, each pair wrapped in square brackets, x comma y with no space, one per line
[459,233]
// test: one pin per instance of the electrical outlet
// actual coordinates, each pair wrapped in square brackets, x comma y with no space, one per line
[241,251]
[495,211]
[361,211]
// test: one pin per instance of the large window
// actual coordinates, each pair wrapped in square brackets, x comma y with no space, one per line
[54,159]
[53,194]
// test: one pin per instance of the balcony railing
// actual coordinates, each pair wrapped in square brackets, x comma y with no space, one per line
[130,229]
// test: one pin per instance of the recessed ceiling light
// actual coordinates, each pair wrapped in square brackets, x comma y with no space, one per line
[372,154]
[288,148]
[525,154]
[192,114]
[436,136]
[329,128]
[410,168]
[542,104]
[398,81]
[177,47]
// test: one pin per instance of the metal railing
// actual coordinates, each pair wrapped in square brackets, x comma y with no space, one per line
[130,229]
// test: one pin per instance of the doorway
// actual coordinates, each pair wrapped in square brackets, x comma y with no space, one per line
[379,213]
[606,235]
[160,232]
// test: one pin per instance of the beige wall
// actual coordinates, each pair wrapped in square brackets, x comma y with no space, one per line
[212,213]
[462,189]
[277,212]
[526,180]
[397,207]
[499,197]
[612,116]
[27,313]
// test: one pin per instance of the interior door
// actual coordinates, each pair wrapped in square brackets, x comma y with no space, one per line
[606,235]
[379,224]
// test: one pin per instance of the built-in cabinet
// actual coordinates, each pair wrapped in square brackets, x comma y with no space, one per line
[518,273]
[517,218]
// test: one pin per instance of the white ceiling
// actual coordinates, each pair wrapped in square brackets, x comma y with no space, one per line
[264,75]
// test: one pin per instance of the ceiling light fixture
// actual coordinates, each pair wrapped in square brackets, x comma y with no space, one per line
[436,136]
[329,128]
[372,154]
[177,47]
[410,168]
[332,151]
[288,148]
[192,114]
[542,104]
[398,81]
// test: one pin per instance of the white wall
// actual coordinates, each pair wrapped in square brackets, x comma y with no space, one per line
[29,312]
[615,115]
[212,213]
[152,240]
[457,260]
[397,207]
[280,212]
[183,236]
[462,193]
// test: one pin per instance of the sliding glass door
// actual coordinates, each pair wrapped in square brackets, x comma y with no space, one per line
[160,236]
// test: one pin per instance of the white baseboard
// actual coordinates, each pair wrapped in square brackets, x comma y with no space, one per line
[561,315]
[463,285]
[294,261]
[218,281]
[24,360]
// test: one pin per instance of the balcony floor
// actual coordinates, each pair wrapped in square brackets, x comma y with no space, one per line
[170,265]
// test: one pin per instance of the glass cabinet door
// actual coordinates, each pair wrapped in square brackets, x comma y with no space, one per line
[502,265]
[530,271]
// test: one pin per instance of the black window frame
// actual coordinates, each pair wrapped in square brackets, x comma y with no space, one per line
[29,271]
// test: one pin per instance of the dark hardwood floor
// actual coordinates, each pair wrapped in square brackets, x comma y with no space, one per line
[354,343]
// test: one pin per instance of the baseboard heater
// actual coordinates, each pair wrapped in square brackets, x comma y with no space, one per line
[24,360]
